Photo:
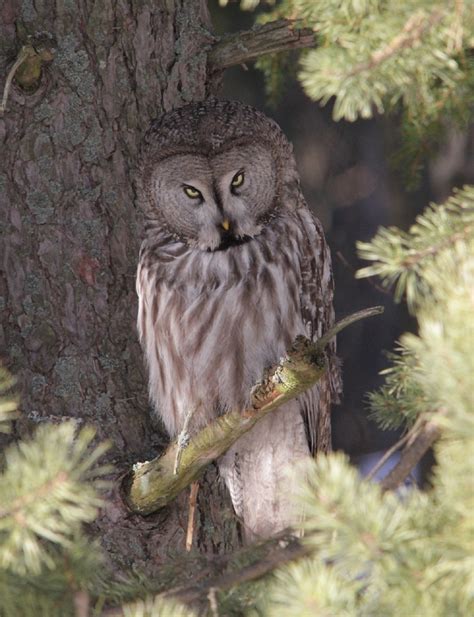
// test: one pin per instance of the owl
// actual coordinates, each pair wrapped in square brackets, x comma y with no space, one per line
[233,266]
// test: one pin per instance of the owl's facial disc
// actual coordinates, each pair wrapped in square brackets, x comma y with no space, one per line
[216,203]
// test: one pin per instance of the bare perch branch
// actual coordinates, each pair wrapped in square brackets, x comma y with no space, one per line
[411,456]
[242,47]
[153,484]
[347,321]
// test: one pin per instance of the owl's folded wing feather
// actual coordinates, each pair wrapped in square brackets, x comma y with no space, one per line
[316,297]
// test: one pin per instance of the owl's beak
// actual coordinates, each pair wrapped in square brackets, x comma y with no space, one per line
[225,224]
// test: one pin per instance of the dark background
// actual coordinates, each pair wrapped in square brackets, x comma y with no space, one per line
[353,188]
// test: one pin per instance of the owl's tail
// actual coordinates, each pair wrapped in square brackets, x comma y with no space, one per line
[255,472]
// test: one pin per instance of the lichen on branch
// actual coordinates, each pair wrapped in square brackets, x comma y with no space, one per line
[153,484]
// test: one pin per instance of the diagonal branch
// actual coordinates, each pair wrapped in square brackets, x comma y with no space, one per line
[226,571]
[153,484]
[277,553]
[270,38]
[411,456]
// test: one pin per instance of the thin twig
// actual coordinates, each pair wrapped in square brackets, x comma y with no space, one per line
[406,439]
[411,456]
[381,462]
[270,38]
[25,52]
[370,281]
[81,604]
[266,557]
[211,596]
[191,515]
[455,43]
[291,551]
[347,321]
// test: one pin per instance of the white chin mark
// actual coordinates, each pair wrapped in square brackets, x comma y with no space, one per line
[248,230]
[208,241]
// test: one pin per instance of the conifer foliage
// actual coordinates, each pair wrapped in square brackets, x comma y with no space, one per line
[411,552]
[50,488]
[372,56]
[372,551]
[8,402]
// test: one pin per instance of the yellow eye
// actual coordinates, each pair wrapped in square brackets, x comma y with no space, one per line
[237,180]
[192,192]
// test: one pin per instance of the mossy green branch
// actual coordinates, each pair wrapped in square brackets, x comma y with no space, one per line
[153,484]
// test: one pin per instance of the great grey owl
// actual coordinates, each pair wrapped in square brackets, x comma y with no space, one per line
[232,268]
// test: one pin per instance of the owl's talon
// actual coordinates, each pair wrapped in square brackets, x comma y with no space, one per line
[256,388]
[182,443]
[177,461]
[183,439]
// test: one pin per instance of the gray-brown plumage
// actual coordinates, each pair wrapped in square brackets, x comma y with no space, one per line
[233,266]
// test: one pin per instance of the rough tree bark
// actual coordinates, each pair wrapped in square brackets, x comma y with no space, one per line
[70,231]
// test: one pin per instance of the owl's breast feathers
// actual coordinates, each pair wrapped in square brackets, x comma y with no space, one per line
[211,322]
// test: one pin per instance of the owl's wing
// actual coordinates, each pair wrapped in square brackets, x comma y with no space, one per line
[316,297]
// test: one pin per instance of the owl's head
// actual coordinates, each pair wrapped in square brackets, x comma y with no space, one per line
[215,173]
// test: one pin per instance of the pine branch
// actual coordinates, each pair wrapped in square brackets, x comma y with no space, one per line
[387,455]
[402,258]
[414,258]
[259,559]
[277,554]
[401,400]
[48,489]
[269,38]
[372,56]
[153,484]
[416,26]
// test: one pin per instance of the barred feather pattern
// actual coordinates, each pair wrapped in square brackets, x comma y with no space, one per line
[211,322]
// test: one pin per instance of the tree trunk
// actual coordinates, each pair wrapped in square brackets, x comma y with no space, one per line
[71,232]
